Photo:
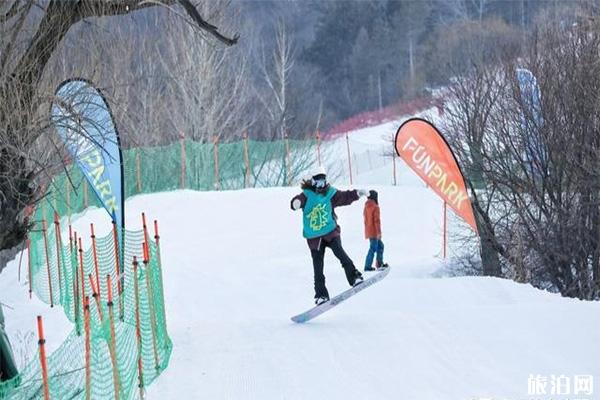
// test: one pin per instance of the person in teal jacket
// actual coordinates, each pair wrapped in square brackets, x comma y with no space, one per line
[318,201]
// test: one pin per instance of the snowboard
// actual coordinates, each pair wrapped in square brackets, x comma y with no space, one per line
[334,301]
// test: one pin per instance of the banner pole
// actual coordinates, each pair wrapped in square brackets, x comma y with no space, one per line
[349,159]
[445,228]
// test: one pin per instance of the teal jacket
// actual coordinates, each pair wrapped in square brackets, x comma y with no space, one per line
[317,214]
[338,199]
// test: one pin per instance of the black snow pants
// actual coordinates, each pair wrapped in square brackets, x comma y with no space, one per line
[318,257]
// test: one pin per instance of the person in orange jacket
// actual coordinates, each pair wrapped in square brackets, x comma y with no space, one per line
[372,219]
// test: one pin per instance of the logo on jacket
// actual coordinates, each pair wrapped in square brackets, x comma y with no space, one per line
[318,217]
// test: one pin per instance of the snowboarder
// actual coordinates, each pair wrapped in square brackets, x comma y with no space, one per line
[373,231]
[318,201]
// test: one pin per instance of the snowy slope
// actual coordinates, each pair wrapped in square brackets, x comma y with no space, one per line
[236,270]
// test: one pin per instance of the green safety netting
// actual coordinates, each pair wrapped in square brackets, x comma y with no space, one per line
[55,263]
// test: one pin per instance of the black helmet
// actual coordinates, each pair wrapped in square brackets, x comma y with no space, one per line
[373,196]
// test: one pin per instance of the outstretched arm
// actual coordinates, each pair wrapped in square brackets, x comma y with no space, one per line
[344,198]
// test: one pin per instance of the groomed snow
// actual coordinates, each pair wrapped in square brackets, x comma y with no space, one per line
[236,269]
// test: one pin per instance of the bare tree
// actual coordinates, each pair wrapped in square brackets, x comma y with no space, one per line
[537,167]
[30,33]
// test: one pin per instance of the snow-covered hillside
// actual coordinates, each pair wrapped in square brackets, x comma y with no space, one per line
[236,269]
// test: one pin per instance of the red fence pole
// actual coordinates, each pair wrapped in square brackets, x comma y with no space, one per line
[113,343]
[81,272]
[162,291]
[95,254]
[76,286]
[41,343]
[44,231]
[88,371]
[138,328]
[151,305]
[58,251]
[349,159]
[216,155]
[96,296]
[118,267]
[145,248]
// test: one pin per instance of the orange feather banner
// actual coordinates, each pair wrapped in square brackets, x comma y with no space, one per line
[426,152]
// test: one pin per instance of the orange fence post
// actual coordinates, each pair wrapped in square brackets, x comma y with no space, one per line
[216,155]
[76,287]
[246,161]
[162,291]
[41,343]
[138,171]
[29,264]
[113,344]
[319,147]
[81,272]
[95,254]
[68,190]
[349,159]
[88,371]
[146,248]
[58,251]
[138,328]
[96,296]
[151,305]
[44,231]
[182,141]
[119,275]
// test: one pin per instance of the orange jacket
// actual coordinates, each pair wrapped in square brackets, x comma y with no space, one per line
[372,221]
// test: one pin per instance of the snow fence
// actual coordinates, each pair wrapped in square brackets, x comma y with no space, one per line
[120,342]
